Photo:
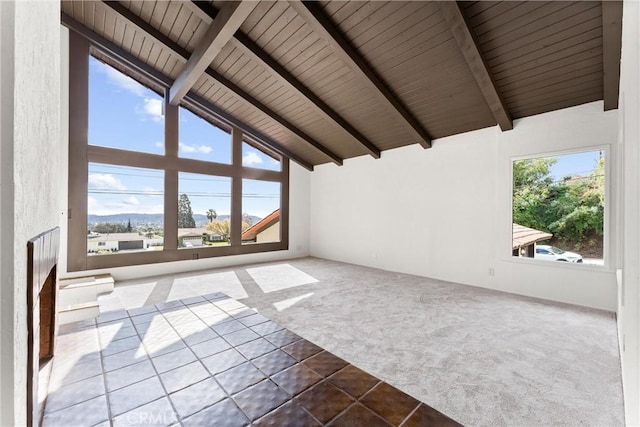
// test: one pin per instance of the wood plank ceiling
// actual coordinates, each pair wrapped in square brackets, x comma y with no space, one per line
[326,81]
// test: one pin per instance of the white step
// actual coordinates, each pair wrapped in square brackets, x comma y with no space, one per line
[77,312]
[84,289]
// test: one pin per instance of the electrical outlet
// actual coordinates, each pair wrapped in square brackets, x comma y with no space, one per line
[492,272]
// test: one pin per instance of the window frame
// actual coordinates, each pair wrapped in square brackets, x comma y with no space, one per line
[81,154]
[608,222]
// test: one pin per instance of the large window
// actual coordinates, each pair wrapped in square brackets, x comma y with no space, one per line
[558,208]
[151,182]
[125,209]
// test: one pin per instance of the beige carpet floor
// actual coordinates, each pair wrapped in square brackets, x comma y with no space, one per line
[479,356]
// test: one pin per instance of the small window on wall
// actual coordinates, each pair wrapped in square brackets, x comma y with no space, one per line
[200,140]
[125,209]
[255,158]
[558,208]
[123,113]
[261,211]
[204,210]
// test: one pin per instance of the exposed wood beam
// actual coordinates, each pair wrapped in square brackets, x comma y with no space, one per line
[232,15]
[118,54]
[611,51]
[322,25]
[469,49]
[208,13]
[183,54]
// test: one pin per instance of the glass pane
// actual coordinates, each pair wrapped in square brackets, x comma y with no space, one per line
[261,211]
[126,209]
[558,208]
[204,210]
[123,113]
[255,158]
[200,140]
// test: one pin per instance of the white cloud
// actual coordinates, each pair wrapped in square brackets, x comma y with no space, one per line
[203,149]
[251,158]
[131,200]
[123,81]
[105,181]
[153,108]
[159,144]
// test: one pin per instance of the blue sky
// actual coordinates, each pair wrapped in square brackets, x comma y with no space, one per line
[124,114]
[575,164]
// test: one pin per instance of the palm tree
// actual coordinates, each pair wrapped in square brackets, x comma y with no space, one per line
[212,215]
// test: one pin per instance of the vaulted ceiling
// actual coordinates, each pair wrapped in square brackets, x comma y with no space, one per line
[325,81]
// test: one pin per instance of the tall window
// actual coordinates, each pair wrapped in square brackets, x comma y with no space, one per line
[150,182]
[558,208]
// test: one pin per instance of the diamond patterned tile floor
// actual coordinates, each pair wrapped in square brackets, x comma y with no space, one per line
[212,361]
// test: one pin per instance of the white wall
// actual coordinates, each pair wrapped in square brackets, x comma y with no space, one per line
[30,146]
[445,212]
[629,139]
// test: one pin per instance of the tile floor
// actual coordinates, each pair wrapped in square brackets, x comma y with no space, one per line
[210,360]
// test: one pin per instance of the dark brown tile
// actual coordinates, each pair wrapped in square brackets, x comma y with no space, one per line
[255,348]
[260,399]
[325,363]
[282,338]
[222,414]
[324,401]
[267,328]
[389,402]
[427,416]
[296,379]
[354,381]
[223,361]
[302,349]
[239,378]
[359,416]
[288,415]
[274,362]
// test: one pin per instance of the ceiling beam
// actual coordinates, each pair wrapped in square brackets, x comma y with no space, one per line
[239,93]
[232,15]
[208,13]
[137,65]
[611,51]
[471,53]
[322,25]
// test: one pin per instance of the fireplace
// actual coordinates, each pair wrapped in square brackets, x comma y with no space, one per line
[42,259]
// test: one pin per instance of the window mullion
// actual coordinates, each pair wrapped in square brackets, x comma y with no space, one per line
[236,188]
[171,120]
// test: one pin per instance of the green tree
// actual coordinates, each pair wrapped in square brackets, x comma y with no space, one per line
[212,215]
[129,228]
[223,228]
[531,187]
[571,209]
[108,227]
[185,214]
[246,219]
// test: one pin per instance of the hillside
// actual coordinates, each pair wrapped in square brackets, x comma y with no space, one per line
[150,220]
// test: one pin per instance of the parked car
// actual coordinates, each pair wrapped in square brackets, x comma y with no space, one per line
[551,253]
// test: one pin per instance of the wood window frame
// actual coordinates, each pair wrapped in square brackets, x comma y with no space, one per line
[81,154]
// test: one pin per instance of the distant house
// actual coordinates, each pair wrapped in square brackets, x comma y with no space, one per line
[115,242]
[189,237]
[525,238]
[264,231]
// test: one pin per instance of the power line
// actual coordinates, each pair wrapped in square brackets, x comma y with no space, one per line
[200,194]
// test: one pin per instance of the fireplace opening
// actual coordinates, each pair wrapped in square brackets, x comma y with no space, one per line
[47,316]
[42,260]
